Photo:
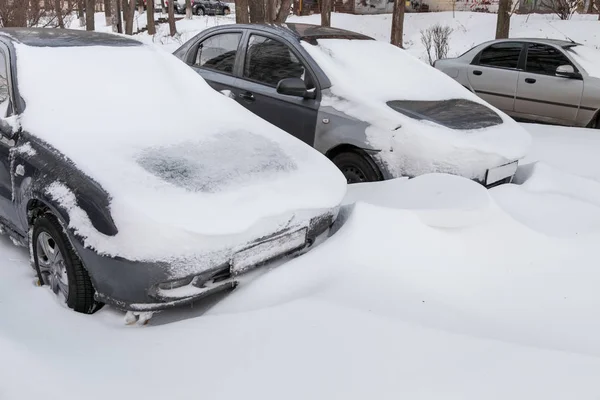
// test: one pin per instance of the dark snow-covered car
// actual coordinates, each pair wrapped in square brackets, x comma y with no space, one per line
[373,109]
[121,205]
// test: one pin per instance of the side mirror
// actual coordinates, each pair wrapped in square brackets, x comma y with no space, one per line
[567,71]
[9,127]
[294,87]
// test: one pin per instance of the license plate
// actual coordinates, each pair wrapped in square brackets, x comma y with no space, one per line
[502,172]
[265,251]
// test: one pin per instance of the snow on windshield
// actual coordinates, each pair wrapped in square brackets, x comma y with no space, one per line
[233,158]
[587,58]
[162,142]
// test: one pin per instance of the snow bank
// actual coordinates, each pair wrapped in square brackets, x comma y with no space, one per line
[176,178]
[409,146]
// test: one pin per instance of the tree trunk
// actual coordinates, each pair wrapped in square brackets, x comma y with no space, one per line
[129,14]
[90,5]
[150,15]
[284,11]
[108,12]
[257,11]
[188,9]
[590,9]
[59,13]
[325,12]
[271,11]
[141,6]
[398,23]
[172,27]
[503,22]
[162,6]
[241,12]
[117,17]
[80,12]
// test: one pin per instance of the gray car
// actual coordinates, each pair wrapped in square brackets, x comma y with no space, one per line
[371,108]
[538,80]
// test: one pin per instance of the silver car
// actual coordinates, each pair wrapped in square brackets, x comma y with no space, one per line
[538,80]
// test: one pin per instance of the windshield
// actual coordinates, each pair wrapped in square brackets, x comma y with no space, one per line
[587,58]
[456,114]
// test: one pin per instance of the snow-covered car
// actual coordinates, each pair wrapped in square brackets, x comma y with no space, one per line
[121,205]
[538,80]
[373,109]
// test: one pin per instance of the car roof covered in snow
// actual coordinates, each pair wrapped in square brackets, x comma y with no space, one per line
[40,37]
[554,42]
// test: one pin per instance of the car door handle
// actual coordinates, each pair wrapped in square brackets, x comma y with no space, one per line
[477,72]
[247,96]
[529,80]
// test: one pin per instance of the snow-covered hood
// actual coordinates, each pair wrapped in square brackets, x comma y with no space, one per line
[179,160]
[369,76]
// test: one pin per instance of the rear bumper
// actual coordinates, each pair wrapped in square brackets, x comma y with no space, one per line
[150,286]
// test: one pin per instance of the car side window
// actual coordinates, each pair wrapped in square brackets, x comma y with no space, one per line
[4,90]
[501,55]
[268,61]
[218,52]
[543,59]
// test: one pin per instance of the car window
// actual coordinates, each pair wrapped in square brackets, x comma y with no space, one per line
[218,52]
[4,93]
[502,55]
[542,59]
[269,61]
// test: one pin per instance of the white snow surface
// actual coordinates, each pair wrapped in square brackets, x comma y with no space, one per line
[393,305]
[211,176]
[588,58]
[411,147]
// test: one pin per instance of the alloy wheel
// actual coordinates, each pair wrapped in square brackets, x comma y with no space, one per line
[52,265]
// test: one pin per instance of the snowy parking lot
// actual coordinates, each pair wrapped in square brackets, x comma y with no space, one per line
[433,288]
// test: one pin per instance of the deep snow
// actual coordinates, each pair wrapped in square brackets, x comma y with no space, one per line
[431,289]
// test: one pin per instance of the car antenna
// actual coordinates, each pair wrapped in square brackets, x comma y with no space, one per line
[559,31]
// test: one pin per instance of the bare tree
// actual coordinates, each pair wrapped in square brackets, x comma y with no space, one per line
[31,13]
[503,21]
[563,8]
[172,27]
[117,20]
[325,12]
[257,11]
[140,6]
[150,16]
[90,6]
[188,9]
[241,12]
[284,11]
[598,7]
[80,12]
[436,40]
[397,23]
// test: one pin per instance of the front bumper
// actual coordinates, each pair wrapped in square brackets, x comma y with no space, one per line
[150,286]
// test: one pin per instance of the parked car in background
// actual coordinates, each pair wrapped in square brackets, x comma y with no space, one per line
[540,80]
[144,213]
[209,7]
[373,109]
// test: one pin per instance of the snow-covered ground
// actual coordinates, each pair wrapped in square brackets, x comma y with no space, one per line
[433,288]
[469,28]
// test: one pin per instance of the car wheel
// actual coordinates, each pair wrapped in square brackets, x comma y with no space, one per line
[357,168]
[226,11]
[59,267]
[200,11]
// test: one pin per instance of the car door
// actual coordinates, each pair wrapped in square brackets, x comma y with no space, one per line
[8,211]
[268,60]
[543,96]
[494,72]
[214,59]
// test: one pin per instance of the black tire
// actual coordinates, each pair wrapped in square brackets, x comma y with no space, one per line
[226,11]
[200,11]
[81,291]
[357,167]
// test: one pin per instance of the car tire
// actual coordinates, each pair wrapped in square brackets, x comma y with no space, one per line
[55,259]
[226,11]
[357,167]
[200,12]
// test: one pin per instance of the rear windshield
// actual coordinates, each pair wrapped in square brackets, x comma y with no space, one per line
[455,114]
